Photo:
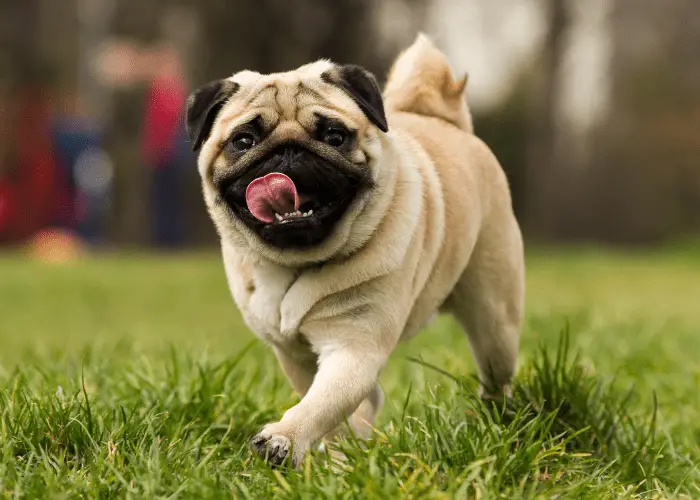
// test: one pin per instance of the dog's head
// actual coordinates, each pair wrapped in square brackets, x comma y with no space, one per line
[289,160]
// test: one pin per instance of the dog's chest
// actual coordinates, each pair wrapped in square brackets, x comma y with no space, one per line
[259,290]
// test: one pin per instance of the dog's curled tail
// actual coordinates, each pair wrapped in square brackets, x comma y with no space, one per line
[422,82]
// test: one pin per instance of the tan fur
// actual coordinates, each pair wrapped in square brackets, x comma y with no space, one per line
[436,233]
[421,82]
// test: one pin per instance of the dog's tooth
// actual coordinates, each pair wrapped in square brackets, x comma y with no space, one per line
[278,216]
[310,212]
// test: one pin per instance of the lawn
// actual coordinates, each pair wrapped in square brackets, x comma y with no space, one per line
[133,376]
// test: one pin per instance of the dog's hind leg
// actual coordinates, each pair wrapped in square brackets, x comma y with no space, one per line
[362,420]
[488,302]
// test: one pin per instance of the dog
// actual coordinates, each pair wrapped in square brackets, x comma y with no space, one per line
[348,217]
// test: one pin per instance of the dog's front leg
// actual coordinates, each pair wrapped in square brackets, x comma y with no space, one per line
[347,373]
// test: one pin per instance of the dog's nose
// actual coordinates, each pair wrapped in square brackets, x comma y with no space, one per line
[292,152]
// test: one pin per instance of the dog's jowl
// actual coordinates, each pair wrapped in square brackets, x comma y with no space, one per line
[348,217]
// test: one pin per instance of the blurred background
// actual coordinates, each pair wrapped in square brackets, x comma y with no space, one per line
[592,107]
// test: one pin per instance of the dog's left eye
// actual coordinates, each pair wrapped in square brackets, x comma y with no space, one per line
[243,141]
[335,137]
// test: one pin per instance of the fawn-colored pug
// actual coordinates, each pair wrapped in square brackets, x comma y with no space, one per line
[348,219]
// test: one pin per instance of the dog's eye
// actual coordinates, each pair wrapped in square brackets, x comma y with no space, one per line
[335,137]
[243,141]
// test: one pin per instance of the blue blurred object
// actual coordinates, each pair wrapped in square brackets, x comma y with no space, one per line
[88,173]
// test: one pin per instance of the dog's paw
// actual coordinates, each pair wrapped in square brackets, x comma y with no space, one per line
[274,449]
[495,394]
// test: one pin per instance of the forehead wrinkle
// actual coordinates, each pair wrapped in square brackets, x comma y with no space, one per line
[321,101]
[270,124]
[247,96]
[338,102]
[261,95]
[286,93]
[329,110]
[241,102]
[315,94]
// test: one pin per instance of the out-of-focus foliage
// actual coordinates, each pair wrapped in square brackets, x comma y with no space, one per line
[634,179]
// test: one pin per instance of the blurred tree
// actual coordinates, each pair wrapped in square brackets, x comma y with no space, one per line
[646,173]
[273,35]
[542,158]
[505,129]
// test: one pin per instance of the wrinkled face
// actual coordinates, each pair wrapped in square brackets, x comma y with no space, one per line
[288,159]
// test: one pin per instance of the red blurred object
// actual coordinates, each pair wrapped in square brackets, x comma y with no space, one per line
[35,197]
[6,205]
[163,118]
[37,173]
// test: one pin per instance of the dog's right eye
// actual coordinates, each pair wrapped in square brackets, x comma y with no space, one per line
[243,141]
[334,137]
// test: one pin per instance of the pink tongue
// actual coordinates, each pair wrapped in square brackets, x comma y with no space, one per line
[273,193]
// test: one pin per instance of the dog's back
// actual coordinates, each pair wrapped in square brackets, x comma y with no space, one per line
[422,94]
[481,256]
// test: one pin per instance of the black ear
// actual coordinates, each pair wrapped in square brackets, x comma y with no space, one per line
[202,107]
[361,85]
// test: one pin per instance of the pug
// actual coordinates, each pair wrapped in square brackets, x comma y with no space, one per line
[348,217]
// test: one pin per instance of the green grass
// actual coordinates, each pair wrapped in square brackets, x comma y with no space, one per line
[134,377]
